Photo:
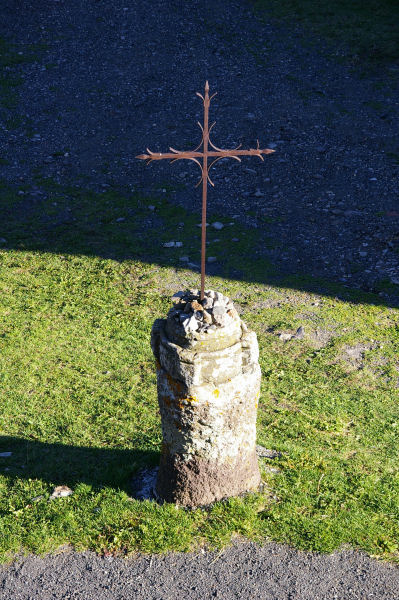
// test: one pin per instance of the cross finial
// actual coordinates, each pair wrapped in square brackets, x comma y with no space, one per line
[194,155]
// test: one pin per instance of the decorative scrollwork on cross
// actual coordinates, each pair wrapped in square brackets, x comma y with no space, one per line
[196,156]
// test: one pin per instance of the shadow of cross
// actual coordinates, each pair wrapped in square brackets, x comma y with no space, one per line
[195,155]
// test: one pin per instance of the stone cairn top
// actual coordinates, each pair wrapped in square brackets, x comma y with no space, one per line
[198,317]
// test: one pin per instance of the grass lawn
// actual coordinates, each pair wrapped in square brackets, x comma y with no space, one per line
[82,277]
[363,31]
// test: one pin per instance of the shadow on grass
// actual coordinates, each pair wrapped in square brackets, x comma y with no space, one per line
[61,464]
[124,226]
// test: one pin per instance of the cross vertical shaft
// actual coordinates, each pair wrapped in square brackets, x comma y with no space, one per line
[194,155]
[204,187]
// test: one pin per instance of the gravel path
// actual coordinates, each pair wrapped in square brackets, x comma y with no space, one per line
[245,571]
[115,78]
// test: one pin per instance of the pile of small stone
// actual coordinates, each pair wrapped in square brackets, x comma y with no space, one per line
[205,316]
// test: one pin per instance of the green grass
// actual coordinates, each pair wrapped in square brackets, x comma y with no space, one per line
[363,31]
[78,402]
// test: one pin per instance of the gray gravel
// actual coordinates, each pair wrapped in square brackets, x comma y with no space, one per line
[244,571]
[115,78]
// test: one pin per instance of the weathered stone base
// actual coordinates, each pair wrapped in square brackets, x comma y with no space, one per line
[209,438]
[200,482]
[208,390]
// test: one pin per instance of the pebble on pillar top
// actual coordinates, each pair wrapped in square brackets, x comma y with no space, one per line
[208,380]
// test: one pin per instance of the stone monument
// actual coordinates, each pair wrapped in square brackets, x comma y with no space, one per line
[208,381]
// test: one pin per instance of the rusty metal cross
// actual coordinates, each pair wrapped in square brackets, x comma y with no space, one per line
[216,153]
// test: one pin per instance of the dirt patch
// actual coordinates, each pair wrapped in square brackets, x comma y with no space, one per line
[318,338]
[321,337]
[354,355]
[269,303]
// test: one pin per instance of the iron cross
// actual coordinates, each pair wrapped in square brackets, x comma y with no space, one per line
[216,153]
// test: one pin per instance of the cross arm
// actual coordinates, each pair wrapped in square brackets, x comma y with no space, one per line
[251,152]
[171,155]
[189,155]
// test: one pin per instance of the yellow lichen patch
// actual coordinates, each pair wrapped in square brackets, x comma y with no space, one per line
[216,393]
[181,403]
[190,399]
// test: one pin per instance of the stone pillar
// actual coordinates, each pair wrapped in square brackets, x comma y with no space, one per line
[208,380]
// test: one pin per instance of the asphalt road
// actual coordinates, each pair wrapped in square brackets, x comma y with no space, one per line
[245,571]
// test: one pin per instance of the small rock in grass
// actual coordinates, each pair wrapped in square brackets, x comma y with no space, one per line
[263,452]
[300,333]
[61,491]
[178,244]
[217,225]
[285,336]
[151,207]
[5,454]
[271,469]
[120,219]
[37,498]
